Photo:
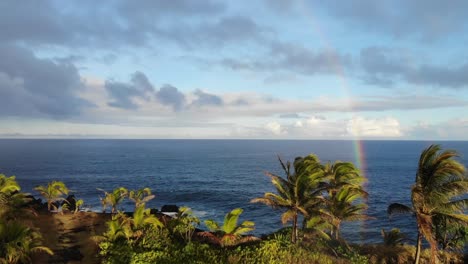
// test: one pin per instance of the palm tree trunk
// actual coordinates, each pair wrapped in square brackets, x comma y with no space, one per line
[418,248]
[294,230]
[434,255]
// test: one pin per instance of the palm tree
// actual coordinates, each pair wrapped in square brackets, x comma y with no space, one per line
[114,198]
[343,175]
[440,181]
[141,196]
[53,192]
[18,243]
[230,232]
[298,192]
[341,207]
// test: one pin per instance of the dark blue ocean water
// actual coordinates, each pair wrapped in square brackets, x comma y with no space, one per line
[214,176]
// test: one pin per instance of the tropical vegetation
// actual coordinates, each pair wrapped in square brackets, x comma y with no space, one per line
[53,192]
[437,197]
[18,241]
[230,233]
[324,195]
[317,198]
[113,199]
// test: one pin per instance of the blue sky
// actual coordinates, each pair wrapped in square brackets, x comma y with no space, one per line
[234,69]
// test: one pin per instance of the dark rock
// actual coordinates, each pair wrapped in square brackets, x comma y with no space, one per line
[170,208]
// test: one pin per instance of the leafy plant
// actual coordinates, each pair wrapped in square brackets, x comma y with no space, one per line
[113,199]
[53,192]
[185,224]
[12,201]
[141,196]
[18,243]
[229,232]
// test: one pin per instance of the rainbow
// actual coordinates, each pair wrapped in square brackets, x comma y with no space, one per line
[335,63]
[337,67]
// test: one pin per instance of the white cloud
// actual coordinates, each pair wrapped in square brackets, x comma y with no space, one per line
[374,127]
[275,128]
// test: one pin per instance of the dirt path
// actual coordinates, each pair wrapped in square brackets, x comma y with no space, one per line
[69,236]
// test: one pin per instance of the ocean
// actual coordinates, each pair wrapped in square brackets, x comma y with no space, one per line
[215,176]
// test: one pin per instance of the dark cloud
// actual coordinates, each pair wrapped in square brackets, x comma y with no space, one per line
[30,86]
[423,19]
[293,58]
[171,96]
[123,94]
[206,99]
[385,66]
[121,23]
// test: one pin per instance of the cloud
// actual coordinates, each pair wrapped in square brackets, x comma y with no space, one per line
[123,94]
[30,86]
[420,19]
[452,129]
[203,99]
[373,127]
[171,96]
[275,128]
[292,58]
[121,24]
[385,66]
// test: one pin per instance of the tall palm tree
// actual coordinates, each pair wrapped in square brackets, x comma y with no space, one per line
[296,193]
[440,181]
[53,192]
[18,243]
[230,232]
[141,196]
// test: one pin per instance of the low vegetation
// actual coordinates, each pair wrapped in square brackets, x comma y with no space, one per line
[315,198]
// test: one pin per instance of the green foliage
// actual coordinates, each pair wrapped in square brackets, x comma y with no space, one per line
[277,250]
[440,183]
[141,196]
[352,255]
[12,201]
[113,199]
[229,233]
[450,235]
[79,204]
[53,192]
[393,238]
[326,195]
[18,243]
[184,224]
[296,193]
